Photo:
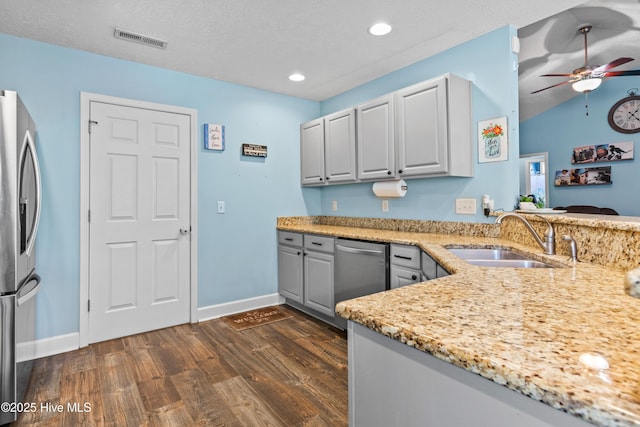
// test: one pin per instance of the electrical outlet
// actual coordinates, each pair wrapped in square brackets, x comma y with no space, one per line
[334,205]
[466,206]
[385,206]
[221,206]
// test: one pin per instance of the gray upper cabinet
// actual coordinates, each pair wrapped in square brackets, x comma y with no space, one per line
[328,149]
[376,139]
[312,152]
[340,146]
[420,131]
[433,125]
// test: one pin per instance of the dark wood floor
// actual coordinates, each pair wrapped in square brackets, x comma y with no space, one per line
[288,373]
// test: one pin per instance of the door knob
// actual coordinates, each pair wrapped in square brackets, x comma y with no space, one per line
[184,231]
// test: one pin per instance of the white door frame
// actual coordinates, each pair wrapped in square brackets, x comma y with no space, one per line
[85,101]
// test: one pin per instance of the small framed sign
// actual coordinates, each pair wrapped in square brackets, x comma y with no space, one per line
[254,150]
[492,140]
[213,137]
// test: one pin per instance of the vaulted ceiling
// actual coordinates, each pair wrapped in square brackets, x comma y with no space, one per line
[553,45]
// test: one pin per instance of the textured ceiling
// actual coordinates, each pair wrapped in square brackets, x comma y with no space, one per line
[258,43]
[553,45]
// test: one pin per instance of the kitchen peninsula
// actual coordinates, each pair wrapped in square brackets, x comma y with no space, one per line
[533,331]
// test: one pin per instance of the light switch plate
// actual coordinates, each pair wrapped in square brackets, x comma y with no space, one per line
[385,206]
[221,206]
[466,206]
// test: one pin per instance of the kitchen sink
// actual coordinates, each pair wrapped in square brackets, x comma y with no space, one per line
[497,257]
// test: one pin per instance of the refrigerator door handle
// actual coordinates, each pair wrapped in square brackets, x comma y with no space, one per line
[31,145]
[31,293]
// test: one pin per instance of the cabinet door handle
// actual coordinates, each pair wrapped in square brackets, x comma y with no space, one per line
[403,257]
[288,239]
[414,277]
[316,243]
[400,171]
[388,172]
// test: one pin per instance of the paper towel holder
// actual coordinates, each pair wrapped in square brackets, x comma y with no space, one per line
[390,189]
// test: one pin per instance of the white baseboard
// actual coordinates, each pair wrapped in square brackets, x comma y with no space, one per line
[219,310]
[69,342]
[58,344]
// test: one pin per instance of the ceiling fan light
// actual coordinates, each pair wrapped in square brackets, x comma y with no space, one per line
[587,85]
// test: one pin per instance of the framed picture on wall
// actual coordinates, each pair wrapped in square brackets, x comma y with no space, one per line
[213,137]
[603,153]
[492,140]
[583,176]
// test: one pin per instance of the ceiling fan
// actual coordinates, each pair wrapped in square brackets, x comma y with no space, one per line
[589,77]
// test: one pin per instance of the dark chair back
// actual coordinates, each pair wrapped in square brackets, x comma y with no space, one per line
[586,209]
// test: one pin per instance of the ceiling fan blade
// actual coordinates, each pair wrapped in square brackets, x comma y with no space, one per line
[622,73]
[557,75]
[612,64]
[555,85]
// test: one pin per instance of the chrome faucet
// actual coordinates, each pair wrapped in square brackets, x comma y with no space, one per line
[573,247]
[549,245]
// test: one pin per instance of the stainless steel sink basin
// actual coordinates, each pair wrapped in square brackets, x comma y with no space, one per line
[498,257]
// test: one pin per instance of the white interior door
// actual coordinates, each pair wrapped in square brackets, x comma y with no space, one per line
[139,231]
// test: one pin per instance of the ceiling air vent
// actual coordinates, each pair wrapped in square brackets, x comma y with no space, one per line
[119,33]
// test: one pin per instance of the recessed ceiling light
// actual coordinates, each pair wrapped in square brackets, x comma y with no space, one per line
[380,29]
[296,77]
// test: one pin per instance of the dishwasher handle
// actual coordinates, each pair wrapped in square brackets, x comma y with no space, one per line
[359,251]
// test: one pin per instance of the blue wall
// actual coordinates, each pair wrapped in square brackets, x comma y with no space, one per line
[237,257]
[566,126]
[488,62]
[237,251]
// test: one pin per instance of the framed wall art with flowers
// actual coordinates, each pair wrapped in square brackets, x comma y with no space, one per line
[492,140]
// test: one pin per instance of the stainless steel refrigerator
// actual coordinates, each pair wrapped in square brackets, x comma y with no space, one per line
[20,205]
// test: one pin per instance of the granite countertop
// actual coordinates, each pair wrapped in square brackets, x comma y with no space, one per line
[526,329]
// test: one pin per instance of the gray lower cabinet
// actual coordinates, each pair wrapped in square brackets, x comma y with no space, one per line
[410,265]
[318,274]
[306,273]
[430,268]
[401,276]
[394,385]
[405,266]
[318,282]
[441,272]
[290,266]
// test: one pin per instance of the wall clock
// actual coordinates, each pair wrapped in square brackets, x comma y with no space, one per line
[624,116]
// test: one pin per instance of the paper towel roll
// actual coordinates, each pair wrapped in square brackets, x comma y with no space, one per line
[386,189]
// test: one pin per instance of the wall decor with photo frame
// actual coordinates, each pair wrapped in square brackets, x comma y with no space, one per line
[583,176]
[612,152]
[493,144]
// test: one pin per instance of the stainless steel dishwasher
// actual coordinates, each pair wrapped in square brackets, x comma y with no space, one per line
[361,268]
